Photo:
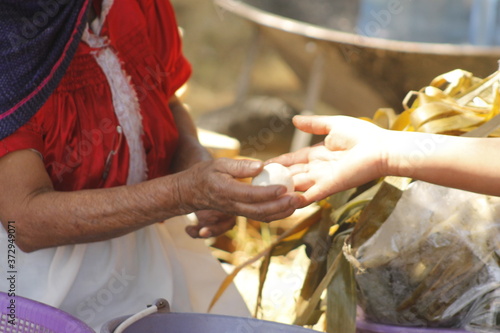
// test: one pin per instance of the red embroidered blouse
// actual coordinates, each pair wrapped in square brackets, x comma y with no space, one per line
[76,129]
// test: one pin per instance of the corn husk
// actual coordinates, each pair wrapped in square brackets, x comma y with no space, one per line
[302,223]
[341,292]
[454,103]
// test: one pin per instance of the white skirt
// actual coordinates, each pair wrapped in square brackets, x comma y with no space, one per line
[99,281]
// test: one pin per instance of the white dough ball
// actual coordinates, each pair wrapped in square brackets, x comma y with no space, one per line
[275,174]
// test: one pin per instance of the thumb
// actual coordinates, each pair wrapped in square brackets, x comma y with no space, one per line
[240,168]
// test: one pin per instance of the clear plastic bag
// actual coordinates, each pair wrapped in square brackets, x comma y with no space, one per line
[435,261]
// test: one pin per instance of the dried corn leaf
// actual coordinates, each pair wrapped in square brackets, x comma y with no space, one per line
[478,89]
[454,82]
[495,106]
[318,242]
[316,280]
[432,94]
[306,309]
[490,128]
[353,207]
[264,268]
[286,245]
[301,225]
[402,123]
[410,99]
[291,243]
[379,208]
[437,110]
[465,100]
[385,117]
[450,124]
[339,199]
[430,112]
[341,292]
[495,134]
[341,212]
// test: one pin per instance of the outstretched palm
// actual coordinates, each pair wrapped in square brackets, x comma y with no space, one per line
[350,156]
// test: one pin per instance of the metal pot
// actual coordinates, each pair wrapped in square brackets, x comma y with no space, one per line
[372,54]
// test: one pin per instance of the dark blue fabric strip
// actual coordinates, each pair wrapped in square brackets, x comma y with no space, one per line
[38,39]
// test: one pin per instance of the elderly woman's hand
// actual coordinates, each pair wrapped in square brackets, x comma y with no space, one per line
[211,223]
[352,154]
[214,185]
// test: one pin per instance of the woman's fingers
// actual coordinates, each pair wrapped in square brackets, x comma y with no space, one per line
[215,230]
[270,210]
[238,168]
[288,159]
[319,125]
[315,193]
[235,191]
[193,230]
[303,181]
[211,223]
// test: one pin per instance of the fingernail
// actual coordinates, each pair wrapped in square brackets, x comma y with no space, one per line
[205,232]
[254,166]
[280,191]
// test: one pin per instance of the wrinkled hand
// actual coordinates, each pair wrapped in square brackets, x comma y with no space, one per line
[351,155]
[211,223]
[213,185]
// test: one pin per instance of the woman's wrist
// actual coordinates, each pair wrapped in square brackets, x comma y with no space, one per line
[179,191]
[393,154]
[411,152]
